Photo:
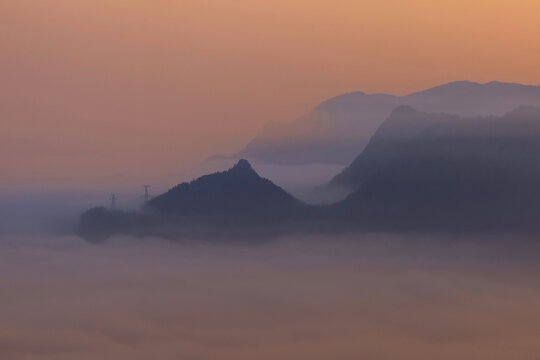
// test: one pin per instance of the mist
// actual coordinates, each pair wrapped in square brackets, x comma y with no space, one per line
[312,297]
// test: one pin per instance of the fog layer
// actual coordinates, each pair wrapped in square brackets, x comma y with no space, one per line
[348,297]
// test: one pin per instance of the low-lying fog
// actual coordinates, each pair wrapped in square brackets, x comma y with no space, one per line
[347,297]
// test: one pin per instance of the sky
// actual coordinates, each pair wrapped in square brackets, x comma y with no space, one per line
[101,93]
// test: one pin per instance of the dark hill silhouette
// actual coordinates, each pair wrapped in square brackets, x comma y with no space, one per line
[437,171]
[338,129]
[236,203]
[238,193]
[420,172]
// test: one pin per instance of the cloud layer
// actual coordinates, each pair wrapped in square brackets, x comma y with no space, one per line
[377,297]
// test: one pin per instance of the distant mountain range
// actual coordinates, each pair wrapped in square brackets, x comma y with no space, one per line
[421,172]
[338,129]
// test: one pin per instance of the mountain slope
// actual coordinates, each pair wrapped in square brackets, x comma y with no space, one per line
[238,193]
[437,171]
[334,132]
[338,129]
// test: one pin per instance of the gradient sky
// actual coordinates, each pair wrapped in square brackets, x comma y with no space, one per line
[101,92]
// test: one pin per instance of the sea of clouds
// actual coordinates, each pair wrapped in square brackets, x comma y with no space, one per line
[311,297]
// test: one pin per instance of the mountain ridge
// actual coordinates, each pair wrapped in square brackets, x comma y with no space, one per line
[337,129]
[234,193]
[406,124]
[421,172]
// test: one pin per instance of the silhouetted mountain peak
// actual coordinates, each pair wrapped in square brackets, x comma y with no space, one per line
[460,84]
[237,193]
[243,167]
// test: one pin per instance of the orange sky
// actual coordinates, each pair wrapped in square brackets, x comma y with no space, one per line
[108,91]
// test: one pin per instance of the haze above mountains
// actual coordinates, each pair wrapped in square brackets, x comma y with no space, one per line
[338,129]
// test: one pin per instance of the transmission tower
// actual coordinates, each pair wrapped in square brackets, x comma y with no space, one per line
[113,201]
[146,195]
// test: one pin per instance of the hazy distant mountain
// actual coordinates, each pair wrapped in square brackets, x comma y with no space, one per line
[338,129]
[238,193]
[420,172]
[436,171]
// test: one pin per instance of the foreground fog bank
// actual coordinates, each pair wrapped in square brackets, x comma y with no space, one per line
[349,297]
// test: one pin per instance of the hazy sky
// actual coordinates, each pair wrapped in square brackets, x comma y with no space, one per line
[100,92]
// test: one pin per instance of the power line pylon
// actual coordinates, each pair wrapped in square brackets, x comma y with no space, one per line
[113,201]
[146,195]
